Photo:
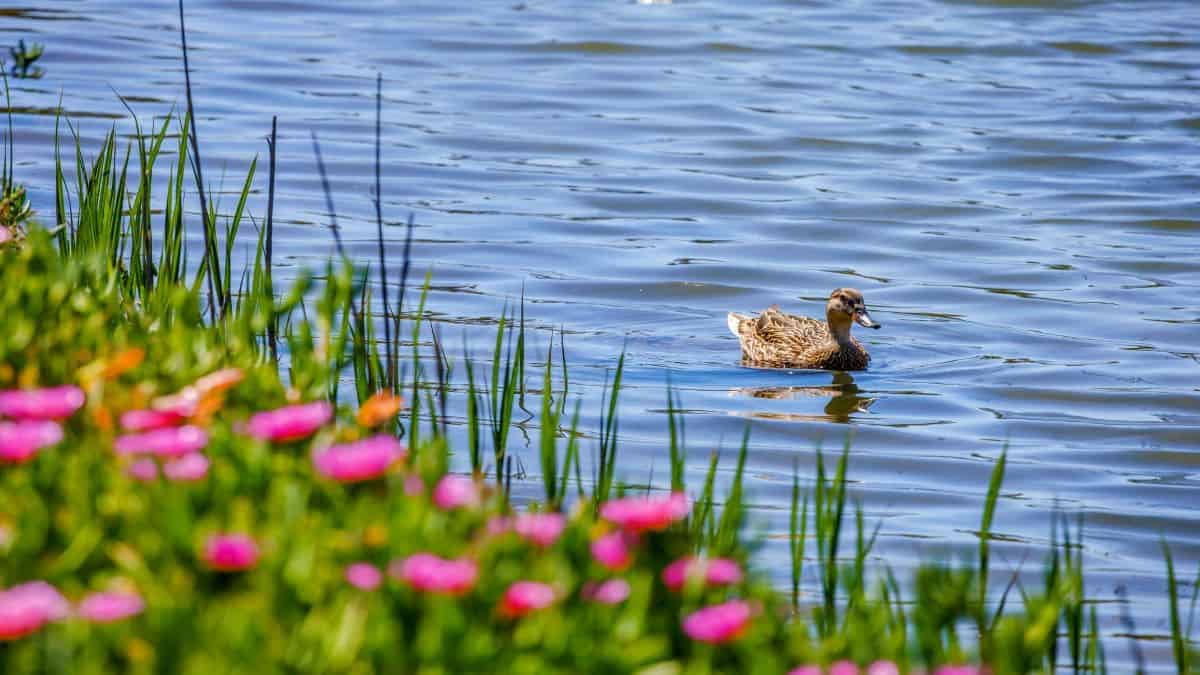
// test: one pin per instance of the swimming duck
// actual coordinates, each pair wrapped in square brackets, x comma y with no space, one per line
[777,340]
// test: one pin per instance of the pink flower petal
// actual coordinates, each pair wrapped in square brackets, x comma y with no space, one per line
[806,670]
[843,667]
[21,441]
[190,468]
[454,491]
[713,571]
[290,423]
[25,608]
[883,668]
[524,597]
[230,552]
[49,403]
[429,573]
[613,550]
[144,469]
[109,607]
[148,420]
[360,460]
[611,592]
[169,442]
[542,529]
[646,514]
[718,624]
[364,576]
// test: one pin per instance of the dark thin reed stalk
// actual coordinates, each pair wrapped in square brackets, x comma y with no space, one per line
[210,244]
[333,221]
[1130,627]
[406,260]
[272,150]
[383,271]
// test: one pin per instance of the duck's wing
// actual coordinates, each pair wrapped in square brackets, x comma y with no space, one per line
[776,327]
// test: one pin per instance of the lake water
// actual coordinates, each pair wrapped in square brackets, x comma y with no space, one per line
[1013,184]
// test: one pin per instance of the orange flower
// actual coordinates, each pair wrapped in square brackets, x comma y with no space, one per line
[123,362]
[381,407]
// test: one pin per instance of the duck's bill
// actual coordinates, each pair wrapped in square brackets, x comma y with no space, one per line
[862,318]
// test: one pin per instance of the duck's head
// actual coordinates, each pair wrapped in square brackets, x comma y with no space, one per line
[846,305]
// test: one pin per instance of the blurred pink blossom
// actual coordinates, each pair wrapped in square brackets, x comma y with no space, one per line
[168,442]
[109,607]
[454,491]
[143,469]
[713,571]
[25,608]
[190,468]
[498,525]
[148,420]
[523,597]
[364,576]
[611,592]
[960,670]
[806,670]
[883,668]
[644,514]
[542,529]
[230,552]
[413,485]
[843,667]
[289,423]
[21,441]
[427,572]
[360,460]
[613,550]
[718,624]
[48,403]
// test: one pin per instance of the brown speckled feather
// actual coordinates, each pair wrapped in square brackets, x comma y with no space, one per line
[778,340]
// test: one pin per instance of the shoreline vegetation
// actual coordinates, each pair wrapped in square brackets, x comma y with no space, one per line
[185,489]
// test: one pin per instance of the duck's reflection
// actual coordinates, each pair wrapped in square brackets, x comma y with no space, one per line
[844,402]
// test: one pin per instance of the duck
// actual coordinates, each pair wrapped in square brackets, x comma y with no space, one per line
[774,339]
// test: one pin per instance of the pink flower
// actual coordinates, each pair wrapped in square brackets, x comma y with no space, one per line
[805,670]
[20,441]
[148,420]
[959,670]
[290,423]
[360,460]
[612,550]
[454,491]
[498,525]
[429,573]
[109,607]
[883,668]
[843,667]
[611,592]
[718,624]
[230,552]
[144,469]
[190,468]
[542,529]
[49,403]
[645,514]
[413,485]
[364,576]
[25,608]
[524,597]
[169,442]
[713,571]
